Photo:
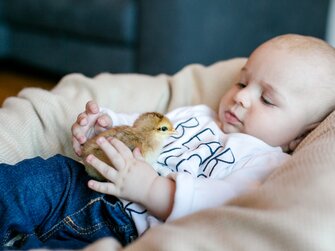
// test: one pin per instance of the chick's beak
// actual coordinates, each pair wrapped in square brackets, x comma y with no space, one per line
[173,132]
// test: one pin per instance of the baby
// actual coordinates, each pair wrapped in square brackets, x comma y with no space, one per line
[285,89]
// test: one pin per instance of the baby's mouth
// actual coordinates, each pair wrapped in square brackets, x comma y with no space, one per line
[231,118]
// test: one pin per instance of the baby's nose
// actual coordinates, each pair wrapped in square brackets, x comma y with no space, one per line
[243,98]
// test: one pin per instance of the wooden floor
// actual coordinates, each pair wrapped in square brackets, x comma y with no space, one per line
[11,82]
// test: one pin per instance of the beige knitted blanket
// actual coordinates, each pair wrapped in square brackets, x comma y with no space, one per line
[293,210]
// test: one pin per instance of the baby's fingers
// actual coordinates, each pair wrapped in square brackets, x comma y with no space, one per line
[76,146]
[104,169]
[82,119]
[103,122]
[117,158]
[78,133]
[137,154]
[102,187]
[123,150]
[92,107]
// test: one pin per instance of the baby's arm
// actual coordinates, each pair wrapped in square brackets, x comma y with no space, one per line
[132,178]
[88,124]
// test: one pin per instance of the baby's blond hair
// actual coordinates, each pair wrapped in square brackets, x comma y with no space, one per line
[318,53]
[308,46]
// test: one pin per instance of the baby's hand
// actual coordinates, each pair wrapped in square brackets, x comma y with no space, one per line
[88,124]
[130,177]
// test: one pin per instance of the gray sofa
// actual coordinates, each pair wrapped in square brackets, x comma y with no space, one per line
[145,36]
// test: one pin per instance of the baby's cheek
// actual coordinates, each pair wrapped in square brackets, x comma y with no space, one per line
[261,130]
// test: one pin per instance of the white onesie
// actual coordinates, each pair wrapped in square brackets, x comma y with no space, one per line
[208,166]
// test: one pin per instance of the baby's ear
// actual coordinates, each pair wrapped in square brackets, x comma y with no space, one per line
[294,143]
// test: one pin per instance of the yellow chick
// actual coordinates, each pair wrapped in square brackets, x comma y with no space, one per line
[147,133]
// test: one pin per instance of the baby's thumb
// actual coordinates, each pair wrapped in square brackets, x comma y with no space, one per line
[137,154]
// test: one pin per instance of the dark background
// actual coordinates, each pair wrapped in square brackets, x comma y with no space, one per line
[145,36]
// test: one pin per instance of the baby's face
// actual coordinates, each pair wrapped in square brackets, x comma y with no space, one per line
[271,101]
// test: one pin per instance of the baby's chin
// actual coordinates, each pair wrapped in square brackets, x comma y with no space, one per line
[228,128]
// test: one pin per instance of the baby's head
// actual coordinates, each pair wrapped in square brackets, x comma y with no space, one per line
[285,89]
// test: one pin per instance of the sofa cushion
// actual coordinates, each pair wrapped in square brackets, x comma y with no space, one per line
[107,20]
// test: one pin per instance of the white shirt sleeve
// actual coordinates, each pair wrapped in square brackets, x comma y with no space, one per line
[120,118]
[194,194]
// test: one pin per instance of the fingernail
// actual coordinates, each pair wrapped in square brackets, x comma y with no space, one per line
[102,121]
[89,158]
[82,139]
[90,183]
[138,151]
[100,140]
[95,109]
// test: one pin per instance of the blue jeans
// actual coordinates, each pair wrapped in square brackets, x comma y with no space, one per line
[46,203]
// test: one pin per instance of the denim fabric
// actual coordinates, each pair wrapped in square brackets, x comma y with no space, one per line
[46,203]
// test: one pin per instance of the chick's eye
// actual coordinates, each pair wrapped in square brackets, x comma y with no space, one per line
[163,128]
